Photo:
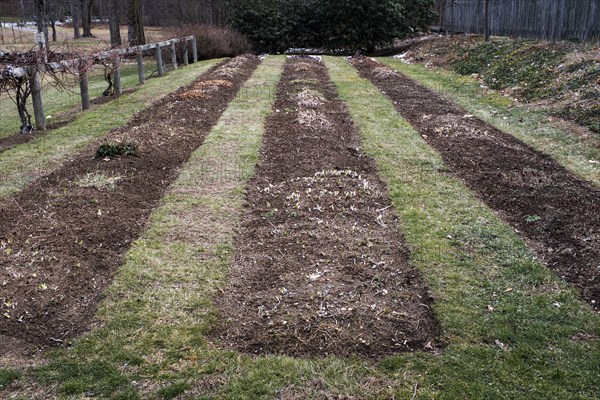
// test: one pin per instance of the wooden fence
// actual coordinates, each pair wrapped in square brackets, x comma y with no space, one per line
[81,66]
[536,19]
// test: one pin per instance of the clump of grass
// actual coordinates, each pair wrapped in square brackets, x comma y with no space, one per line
[172,391]
[99,181]
[114,149]
[7,376]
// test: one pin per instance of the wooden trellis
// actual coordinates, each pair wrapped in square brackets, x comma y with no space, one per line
[81,66]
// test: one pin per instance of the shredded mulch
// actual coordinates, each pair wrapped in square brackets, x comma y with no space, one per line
[557,212]
[320,266]
[64,236]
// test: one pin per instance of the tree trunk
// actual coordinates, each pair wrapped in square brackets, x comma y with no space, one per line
[86,17]
[75,15]
[40,20]
[22,9]
[53,26]
[113,24]
[23,90]
[135,24]
[40,15]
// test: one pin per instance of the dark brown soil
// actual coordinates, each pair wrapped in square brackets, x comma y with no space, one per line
[320,266]
[61,239]
[18,138]
[557,212]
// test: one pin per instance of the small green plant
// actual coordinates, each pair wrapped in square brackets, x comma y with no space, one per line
[116,149]
[172,391]
[532,218]
[7,376]
[272,213]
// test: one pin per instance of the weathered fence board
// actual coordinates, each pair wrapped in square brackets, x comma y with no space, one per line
[535,19]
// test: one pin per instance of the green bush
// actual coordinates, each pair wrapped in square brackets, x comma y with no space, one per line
[350,25]
[116,149]
[359,25]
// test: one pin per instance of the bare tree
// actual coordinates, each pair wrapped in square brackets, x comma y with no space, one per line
[55,12]
[75,15]
[41,18]
[22,9]
[24,72]
[86,17]
[135,24]
[114,22]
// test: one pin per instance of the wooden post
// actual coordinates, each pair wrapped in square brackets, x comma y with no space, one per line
[486,20]
[140,64]
[452,28]
[83,85]
[117,74]
[443,15]
[194,50]
[173,55]
[159,62]
[36,94]
[186,54]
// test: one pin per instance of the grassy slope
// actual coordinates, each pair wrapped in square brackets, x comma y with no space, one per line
[19,165]
[59,101]
[532,127]
[472,261]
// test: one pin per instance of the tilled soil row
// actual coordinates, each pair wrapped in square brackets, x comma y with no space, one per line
[63,237]
[557,212]
[320,266]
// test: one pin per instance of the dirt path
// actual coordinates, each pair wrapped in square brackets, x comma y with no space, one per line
[320,266]
[62,238]
[558,213]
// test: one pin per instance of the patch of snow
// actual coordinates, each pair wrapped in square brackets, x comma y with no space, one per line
[402,57]
[314,57]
